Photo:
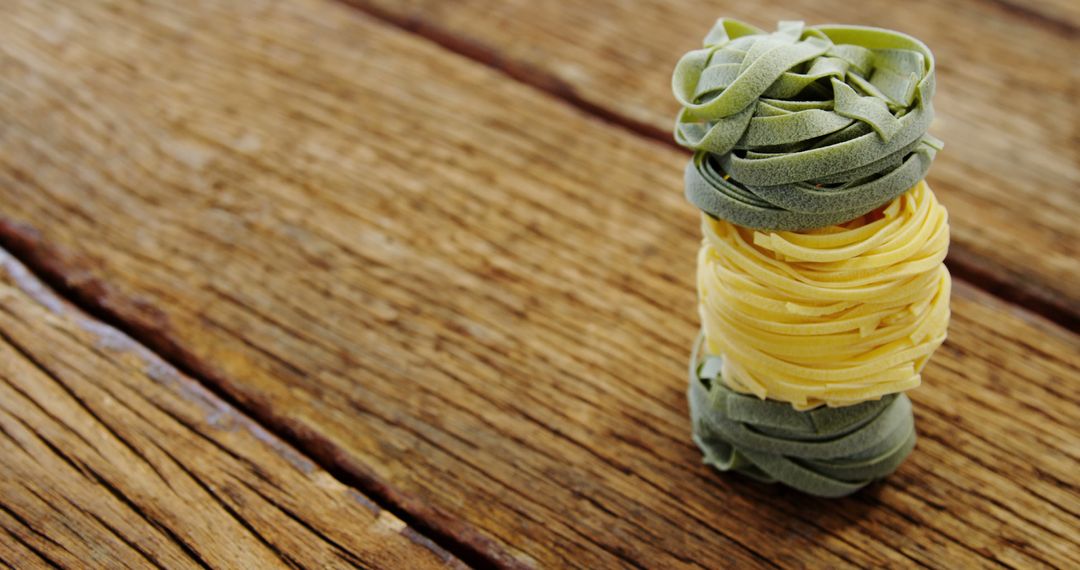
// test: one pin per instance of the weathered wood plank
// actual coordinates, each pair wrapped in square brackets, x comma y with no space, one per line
[468,295]
[113,459]
[1006,102]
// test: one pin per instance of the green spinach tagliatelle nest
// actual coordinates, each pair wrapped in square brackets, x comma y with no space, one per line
[804,127]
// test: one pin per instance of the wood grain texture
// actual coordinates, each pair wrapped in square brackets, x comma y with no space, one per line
[469,296]
[1007,86]
[113,459]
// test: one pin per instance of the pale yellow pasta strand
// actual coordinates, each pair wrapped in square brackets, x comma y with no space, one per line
[833,316]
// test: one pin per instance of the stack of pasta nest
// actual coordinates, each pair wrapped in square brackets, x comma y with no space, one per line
[821,286]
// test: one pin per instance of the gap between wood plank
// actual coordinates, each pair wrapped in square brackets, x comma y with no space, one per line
[89,295]
[1024,10]
[962,263]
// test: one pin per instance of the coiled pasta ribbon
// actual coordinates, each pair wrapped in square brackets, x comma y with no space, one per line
[835,316]
[828,452]
[804,127]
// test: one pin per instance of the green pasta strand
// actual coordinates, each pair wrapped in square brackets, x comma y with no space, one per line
[828,452]
[803,127]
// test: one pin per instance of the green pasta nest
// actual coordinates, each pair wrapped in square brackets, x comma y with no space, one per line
[827,452]
[804,127]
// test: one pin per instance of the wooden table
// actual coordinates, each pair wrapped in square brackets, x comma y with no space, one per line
[403,284]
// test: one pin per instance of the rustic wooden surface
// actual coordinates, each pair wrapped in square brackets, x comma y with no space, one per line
[1006,101]
[471,300]
[112,458]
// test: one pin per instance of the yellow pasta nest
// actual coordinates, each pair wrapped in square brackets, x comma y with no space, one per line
[834,316]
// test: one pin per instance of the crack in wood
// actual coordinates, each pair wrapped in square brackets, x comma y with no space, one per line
[190,550]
